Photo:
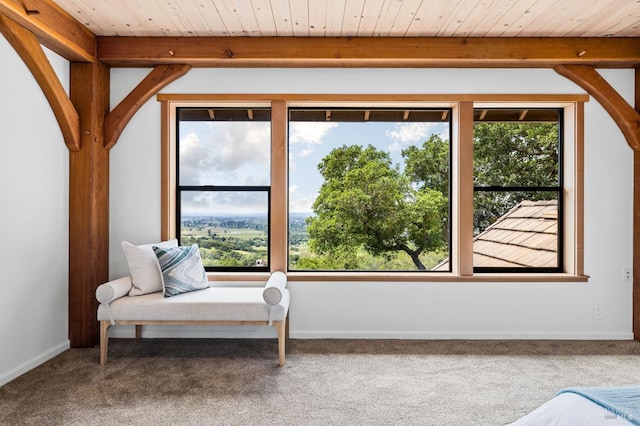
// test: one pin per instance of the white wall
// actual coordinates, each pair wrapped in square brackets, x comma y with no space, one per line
[413,310]
[33,220]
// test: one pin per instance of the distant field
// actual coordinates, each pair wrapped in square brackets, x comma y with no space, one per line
[237,246]
[228,241]
[244,234]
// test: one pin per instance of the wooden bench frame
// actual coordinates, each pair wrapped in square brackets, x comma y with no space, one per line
[280,326]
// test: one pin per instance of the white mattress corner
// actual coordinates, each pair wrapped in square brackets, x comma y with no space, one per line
[570,409]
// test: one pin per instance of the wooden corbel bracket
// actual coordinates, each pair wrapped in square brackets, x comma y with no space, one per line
[28,47]
[625,116]
[117,119]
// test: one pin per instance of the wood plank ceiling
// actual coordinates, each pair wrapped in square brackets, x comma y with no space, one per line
[358,18]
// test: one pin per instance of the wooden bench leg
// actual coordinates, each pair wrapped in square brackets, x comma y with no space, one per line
[104,341]
[286,332]
[281,329]
[138,331]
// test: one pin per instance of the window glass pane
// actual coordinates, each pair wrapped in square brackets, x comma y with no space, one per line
[230,227]
[224,146]
[517,212]
[369,189]
[515,229]
[516,153]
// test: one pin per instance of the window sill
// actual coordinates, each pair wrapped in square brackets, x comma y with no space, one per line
[435,277]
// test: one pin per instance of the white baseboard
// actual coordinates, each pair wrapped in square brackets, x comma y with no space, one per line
[33,363]
[458,335]
[124,331]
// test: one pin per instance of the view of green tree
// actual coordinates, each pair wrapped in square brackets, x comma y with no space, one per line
[369,214]
[360,259]
[428,166]
[365,201]
[516,155]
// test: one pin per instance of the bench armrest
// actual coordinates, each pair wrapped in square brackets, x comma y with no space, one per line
[274,288]
[112,290]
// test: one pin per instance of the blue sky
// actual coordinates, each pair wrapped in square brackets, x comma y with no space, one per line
[309,142]
[237,153]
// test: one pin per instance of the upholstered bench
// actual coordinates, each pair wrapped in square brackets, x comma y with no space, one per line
[267,305]
[169,286]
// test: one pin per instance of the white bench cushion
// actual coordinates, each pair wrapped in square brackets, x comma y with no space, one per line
[211,304]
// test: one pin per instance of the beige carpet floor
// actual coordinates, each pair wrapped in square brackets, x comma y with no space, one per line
[324,382]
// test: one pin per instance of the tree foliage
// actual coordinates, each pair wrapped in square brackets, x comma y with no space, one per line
[428,166]
[366,201]
[513,155]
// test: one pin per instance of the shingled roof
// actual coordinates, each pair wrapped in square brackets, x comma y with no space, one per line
[526,236]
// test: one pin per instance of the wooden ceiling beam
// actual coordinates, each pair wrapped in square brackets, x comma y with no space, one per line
[368,52]
[27,46]
[627,118]
[53,27]
[117,119]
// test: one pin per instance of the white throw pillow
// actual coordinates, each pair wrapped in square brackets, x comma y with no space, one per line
[146,276]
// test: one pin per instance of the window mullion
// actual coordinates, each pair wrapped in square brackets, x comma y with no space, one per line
[279,187]
[168,171]
[463,262]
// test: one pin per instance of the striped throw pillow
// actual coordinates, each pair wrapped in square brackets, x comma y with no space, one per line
[182,269]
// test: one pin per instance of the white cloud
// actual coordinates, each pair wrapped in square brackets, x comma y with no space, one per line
[211,203]
[408,133]
[395,147]
[237,143]
[298,202]
[292,163]
[194,158]
[306,151]
[309,133]
[226,153]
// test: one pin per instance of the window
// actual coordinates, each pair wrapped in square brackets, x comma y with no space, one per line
[368,188]
[364,187]
[222,196]
[518,204]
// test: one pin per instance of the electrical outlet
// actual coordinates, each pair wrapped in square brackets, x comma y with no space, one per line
[626,275]
[597,312]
